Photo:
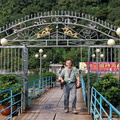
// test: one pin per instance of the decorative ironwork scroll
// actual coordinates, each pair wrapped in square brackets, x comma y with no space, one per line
[58,27]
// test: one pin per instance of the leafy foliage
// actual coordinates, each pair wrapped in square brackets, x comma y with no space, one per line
[109,88]
[11,10]
[7,82]
[93,78]
[11,79]
[50,74]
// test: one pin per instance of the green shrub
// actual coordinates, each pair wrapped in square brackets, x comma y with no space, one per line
[93,78]
[109,88]
[6,82]
[36,70]
[54,77]
[12,79]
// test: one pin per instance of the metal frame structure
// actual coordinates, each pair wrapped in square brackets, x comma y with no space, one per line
[97,109]
[114,53]
[14,60]
[12,103]
[11,58]
[58,29]
[36,88]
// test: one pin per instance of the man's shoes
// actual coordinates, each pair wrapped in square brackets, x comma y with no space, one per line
[74,111]
[66,111]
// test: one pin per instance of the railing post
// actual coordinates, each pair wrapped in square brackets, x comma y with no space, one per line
[39,84]
[95,99]
[47,82]
[110,116]
[119,72]
[51,82]
[25,81]
[88,82]
[43,83]
[100,106]
[83,90]
[11,102]
[91,101]
[34,87]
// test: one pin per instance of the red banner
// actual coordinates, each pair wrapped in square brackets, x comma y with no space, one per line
[100,66]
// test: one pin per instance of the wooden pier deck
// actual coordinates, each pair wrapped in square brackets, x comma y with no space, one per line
[49,106]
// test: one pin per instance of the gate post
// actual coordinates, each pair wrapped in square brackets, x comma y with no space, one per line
[25,79]
[119,62]
[88,82]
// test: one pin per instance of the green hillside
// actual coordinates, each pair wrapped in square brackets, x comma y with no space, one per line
[106,10]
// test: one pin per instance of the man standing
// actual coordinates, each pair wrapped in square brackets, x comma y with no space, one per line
[70,78]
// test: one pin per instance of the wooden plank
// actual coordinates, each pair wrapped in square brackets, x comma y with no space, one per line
[45,116]
[69,116]
[39,104]
[50,106]
[45,106]
[31,109]
[21,117]
[30,115]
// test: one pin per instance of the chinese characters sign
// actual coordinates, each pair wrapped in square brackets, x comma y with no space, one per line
[100,66]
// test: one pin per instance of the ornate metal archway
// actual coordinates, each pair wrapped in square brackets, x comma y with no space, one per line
[58,29]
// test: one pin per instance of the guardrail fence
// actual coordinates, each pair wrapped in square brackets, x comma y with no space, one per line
[13,105]
[97,109]
[35,88]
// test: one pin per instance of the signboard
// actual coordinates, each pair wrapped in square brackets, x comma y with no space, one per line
[100,66]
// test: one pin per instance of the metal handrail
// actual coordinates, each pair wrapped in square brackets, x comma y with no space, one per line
[44,85]
[97,106]
[38,86]
[12,103]
[83,89]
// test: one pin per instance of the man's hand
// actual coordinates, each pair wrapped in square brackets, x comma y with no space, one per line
[61,79]
[78,84]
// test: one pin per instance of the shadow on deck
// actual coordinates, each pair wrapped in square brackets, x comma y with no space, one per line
[49,106]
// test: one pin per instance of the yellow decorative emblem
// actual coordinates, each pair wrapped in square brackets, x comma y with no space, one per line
[67,31]
[44,32]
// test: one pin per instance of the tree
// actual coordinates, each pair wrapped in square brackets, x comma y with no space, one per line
[102,14]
